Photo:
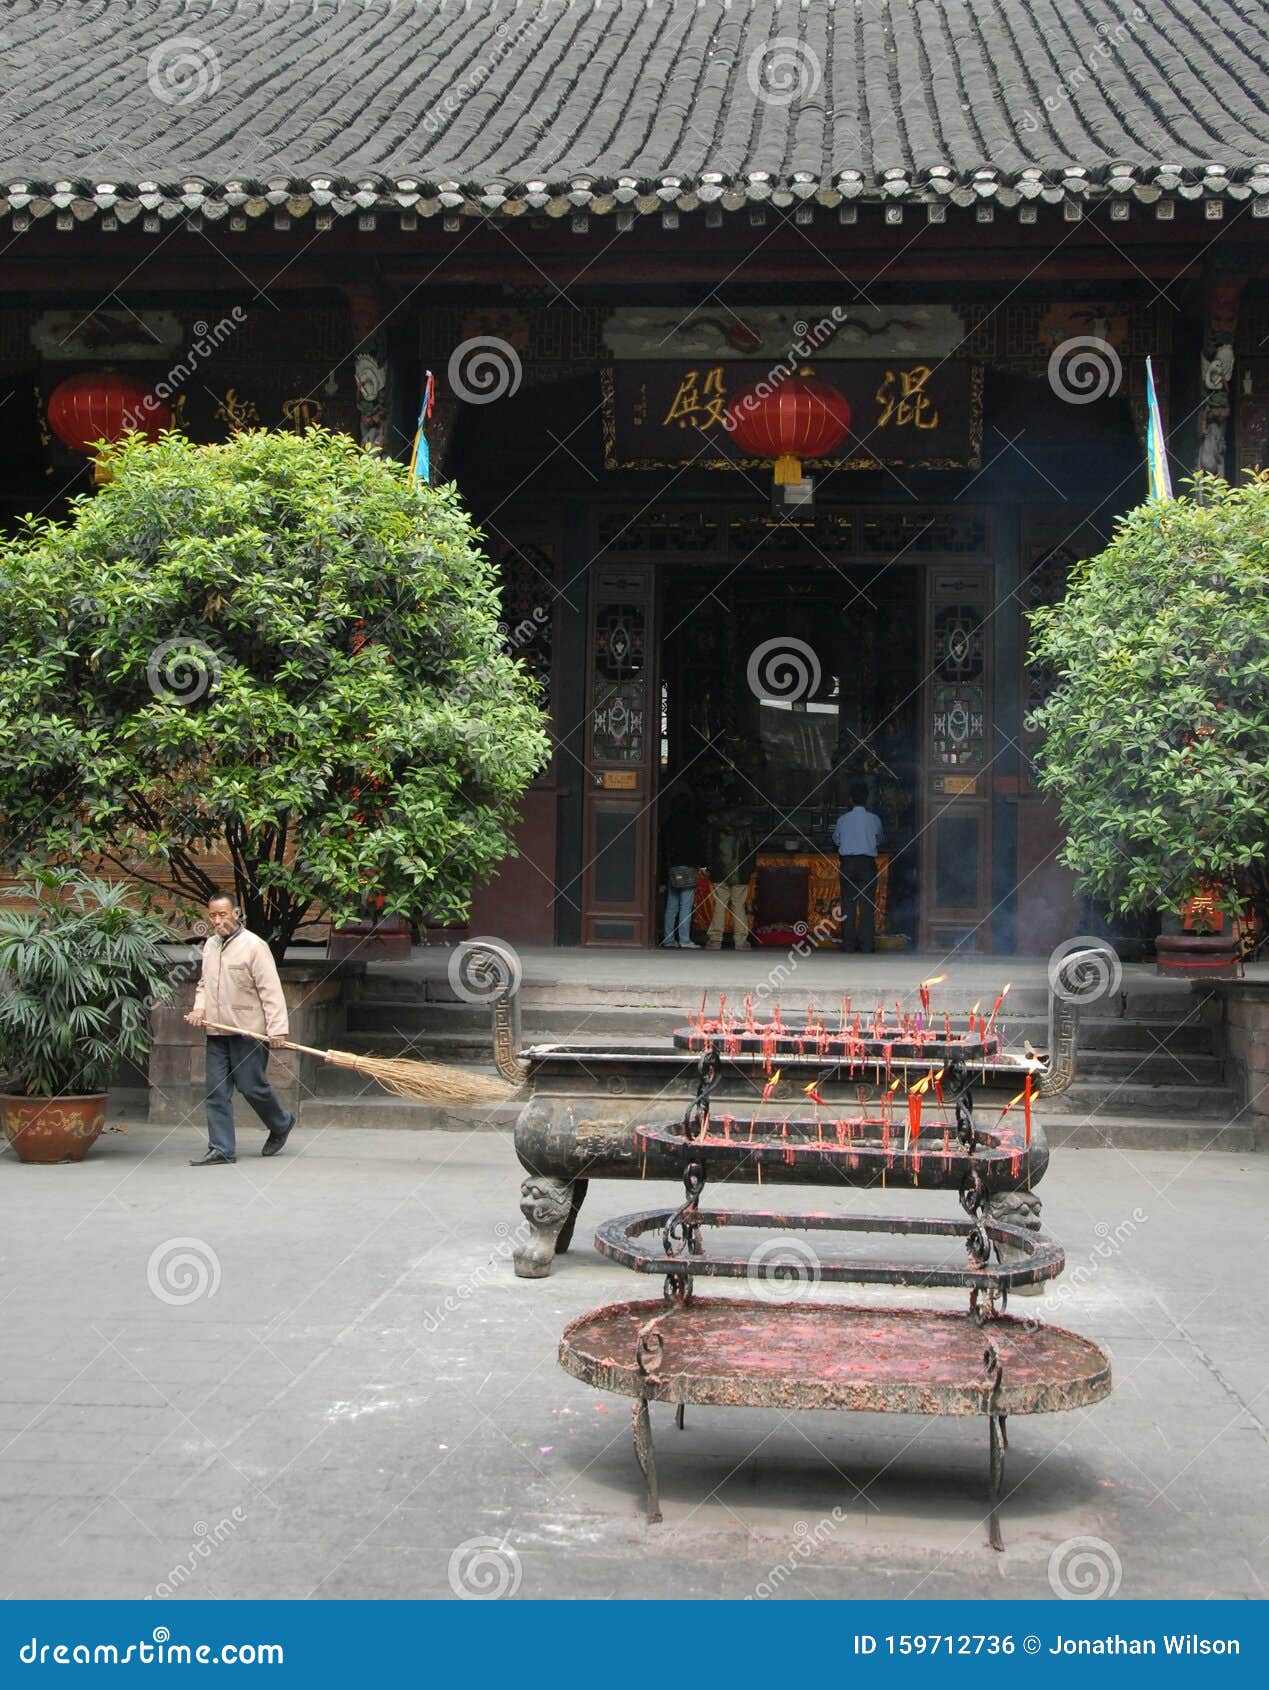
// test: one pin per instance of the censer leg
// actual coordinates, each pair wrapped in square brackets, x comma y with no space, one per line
[679,1416]
[580,1188]
[999,1443]
[641,1426]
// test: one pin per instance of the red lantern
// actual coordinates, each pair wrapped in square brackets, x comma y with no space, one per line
[792,419]
[104,405]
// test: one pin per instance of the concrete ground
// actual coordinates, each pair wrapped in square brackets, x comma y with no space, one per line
[317,1376]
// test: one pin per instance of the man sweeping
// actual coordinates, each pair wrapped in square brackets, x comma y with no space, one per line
[239,987]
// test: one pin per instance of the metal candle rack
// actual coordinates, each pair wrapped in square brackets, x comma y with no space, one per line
[819,1354]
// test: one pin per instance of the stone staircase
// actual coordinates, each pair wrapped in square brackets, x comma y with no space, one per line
[1150,1071]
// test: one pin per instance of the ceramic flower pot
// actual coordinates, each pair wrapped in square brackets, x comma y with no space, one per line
[52,1129]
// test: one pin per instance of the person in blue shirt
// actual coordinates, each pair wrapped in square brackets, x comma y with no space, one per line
[857,834]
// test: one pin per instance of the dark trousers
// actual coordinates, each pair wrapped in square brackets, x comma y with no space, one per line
[859,892]
[234,1061]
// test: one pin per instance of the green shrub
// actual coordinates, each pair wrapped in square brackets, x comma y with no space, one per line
[280,646]
[1156,736]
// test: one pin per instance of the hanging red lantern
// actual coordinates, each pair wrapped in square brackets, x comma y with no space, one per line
[104,405]
[789,420]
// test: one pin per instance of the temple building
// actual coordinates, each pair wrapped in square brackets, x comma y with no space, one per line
[608,228]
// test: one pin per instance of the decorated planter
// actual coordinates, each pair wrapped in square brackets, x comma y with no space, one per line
[52,1129]
[1198,956]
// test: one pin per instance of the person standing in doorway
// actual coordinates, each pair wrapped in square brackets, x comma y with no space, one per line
[857,834]
[239,987]
[730,861]
[683,850]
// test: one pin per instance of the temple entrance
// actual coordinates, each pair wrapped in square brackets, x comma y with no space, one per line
[781,689]
[771,669]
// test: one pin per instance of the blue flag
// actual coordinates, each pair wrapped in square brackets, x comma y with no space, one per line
[1156,445]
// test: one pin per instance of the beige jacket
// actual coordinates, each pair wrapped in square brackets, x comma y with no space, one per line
[239,986]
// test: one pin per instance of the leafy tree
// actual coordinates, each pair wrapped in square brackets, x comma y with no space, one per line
[1156,735]
[279,648]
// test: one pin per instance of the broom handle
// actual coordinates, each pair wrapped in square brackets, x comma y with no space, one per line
[287,1044]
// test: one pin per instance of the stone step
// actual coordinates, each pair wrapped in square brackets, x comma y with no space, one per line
[1167,1102]
[1103,1131]
[544,1024]
[1155,1068]
[1139,1090]
[1108,1069]
[1088,1129]
[819,979]
[380,1109]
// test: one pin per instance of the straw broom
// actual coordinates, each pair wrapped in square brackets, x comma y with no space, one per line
[424,1082]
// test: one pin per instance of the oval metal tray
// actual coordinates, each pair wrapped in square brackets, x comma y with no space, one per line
[738,1353]
[635,1242]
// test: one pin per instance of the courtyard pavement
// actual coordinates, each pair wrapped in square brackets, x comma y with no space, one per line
[317,1376]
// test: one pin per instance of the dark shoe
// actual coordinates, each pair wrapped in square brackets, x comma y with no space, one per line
[212,1159]
[275,1141]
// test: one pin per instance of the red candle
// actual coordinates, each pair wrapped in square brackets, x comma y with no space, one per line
[1026,1104]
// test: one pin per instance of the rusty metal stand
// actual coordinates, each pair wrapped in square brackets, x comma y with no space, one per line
[641,1426]
[998,1443]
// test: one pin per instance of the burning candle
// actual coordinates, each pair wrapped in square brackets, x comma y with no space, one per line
[1026,1105]
[995,1008]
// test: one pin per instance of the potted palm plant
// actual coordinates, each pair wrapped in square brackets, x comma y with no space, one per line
[79,972]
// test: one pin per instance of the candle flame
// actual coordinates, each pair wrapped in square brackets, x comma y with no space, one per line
[934,980]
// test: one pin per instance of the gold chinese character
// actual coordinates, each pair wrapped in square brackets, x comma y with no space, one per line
[698,404]
[299,414]
[237,413]
[904,401]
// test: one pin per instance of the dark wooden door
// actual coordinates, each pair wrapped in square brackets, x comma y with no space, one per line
[956,780]
[622,731]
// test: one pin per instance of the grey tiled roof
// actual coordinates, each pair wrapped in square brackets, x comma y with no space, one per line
[153,108]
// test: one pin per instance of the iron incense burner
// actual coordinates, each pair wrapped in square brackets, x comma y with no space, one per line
[834,1081]
[767,1351]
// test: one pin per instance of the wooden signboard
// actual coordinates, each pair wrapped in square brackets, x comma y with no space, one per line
[922,413]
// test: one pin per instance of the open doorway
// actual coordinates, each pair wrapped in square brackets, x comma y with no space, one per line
[780,688]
